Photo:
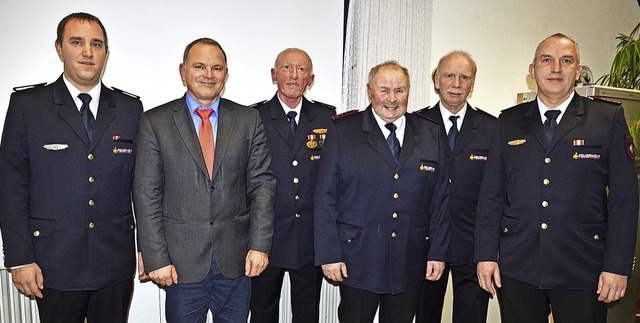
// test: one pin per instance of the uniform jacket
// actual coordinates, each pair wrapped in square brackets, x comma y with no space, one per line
[384,221]
[296,160]
[183,217]
[544,212]
[65,203]
[465,167]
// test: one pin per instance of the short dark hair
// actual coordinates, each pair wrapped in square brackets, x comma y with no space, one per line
[82,16]
[206,41]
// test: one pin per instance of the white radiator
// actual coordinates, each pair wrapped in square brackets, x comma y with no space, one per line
[15,308]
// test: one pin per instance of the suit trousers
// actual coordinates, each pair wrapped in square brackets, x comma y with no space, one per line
[470,302]
[106,305]
[359,306]
[227,299]
[305,285]
[524,303]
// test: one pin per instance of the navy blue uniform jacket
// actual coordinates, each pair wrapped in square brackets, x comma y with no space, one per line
[557,215]
[295,162]
[384,221]
[465,168]
[68,207]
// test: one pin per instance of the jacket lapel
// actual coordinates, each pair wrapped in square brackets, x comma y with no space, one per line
[467,131]
[435,114]
[226,121]
[534,123]
[376,138]
[410,141]
[307,115]
[105,116]
[571,119]
[280,121]
[68,111]
[184,124]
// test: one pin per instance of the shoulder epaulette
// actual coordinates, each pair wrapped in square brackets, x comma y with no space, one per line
[423,109]
[125,92]
[24,87]
[424,116]
[323,104]
[258,103]
[484,112]
[344,114]
[605,100]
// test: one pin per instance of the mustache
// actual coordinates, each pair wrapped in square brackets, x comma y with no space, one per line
[391,105]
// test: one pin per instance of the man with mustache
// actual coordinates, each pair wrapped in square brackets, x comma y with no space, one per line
[381,199]
[469,143]
[558,211]
[296,129]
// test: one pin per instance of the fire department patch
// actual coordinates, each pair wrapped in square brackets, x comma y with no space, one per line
[630,149]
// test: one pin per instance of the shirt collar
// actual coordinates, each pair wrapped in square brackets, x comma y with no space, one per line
[94,92]
[287,109]
[193,104]
[562,107]
[400,125]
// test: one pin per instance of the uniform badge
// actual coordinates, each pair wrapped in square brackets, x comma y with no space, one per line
[120,139]
[631,152]
[125,151]
[429,169]
[478,157]
[578,142]
[516,142]
[311,141]
[586,156]
[314,157]
[55,146]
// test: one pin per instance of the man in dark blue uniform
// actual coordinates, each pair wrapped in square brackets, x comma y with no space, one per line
[469,145]
[557,217]
[66,169]
[296,129]
[381,220]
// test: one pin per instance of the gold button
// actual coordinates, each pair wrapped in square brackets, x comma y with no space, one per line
[395,215]
[91,225]
[545,203]
[547,160]
[544,226]
[297,215]
[396,176]
[36,233]
[91,179]
[546,181]
[90,157]
[505,230]
[449,180]
[596,237]
[426,238]
[91,203]
[297,197]
[296,180]
[393,234]
[294,163]
[396,196]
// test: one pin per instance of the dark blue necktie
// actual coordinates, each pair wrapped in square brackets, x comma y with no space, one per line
[85,113]
[550,124]
[393,142]
[453,131]
[291,115]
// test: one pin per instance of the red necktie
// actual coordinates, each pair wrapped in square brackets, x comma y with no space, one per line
[206,138]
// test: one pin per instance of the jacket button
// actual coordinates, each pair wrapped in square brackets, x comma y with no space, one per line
[393,234]
[91,203]
[394,215]
[547,160]
[36,233]
[505,230]
[396,196]
[297,215]
[296,180]
[294,163]
[545,204]
[596,237]
[546,181]
[396,176]
[297,197]
[90,157]
[91,179]
[91,225]
[544,226]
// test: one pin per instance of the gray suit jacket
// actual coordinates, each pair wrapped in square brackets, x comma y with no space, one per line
[183,218]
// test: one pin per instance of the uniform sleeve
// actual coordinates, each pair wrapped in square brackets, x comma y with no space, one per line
[622,201]
[490,204]
[15,177]
[326,238]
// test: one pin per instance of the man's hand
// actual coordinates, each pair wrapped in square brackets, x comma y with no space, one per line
[28,280]
[434,270]
[141,274]
[255,263]
[336,271]
[165,276]
[488,273]
[611,287]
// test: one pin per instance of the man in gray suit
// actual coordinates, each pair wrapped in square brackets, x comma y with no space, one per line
[204,194]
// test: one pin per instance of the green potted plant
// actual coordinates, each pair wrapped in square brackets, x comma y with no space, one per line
[625,68]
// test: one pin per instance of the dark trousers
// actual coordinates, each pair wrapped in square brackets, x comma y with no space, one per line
[524,303]
[470,302]
[227,299]
[359,306]
[106,305]
[305,284]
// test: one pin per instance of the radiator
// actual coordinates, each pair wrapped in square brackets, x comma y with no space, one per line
[15,308]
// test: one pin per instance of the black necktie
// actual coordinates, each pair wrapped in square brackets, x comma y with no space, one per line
[85,113]
[453,131]
[291,115]
[550,124]
[393,142]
